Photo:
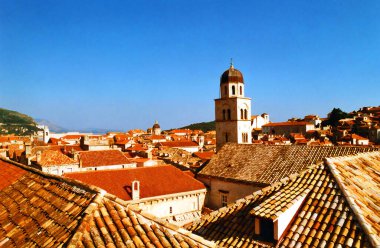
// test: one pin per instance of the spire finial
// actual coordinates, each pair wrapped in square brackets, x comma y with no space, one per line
[231,64]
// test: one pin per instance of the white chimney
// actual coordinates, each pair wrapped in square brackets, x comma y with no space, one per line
[135,190]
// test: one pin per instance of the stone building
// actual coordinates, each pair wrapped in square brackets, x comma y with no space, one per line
[232,110]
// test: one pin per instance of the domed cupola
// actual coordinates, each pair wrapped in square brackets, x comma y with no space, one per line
[156,125]
[231,75]
[156,129]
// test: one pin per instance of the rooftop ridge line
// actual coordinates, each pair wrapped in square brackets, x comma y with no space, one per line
[350,200]
[166,224]
[284,181]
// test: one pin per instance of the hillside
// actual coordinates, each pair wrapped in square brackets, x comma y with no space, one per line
[204,126]
[12,122]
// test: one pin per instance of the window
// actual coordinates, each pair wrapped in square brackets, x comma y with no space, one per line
[233,90]
[245,114]
[229,114]
[224,114]
[223,199]
[241,114]
[225,90]
[226,136]
[241,90]
[245,137]
[170,210]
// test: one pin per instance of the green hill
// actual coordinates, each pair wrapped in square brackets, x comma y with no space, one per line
[204,126]
[12,122]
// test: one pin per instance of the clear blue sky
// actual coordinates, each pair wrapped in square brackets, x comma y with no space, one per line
[125,64]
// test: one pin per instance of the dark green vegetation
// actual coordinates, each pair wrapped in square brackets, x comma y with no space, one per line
[204,126]
[12,122]
[334,116]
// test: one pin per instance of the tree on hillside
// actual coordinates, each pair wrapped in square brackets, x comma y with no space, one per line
[334,116]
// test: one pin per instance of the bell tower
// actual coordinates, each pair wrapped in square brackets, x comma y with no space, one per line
[232,110]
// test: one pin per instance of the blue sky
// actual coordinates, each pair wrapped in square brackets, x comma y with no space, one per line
[124,64]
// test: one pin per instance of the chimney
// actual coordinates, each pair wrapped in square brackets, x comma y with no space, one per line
[38,156]
[149,155]
[135,190]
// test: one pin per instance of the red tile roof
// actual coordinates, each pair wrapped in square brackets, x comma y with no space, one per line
[9,174]
[154,181]
[287,123]
[187,131]
[72,136]
[51,158]
[179,144]
[102,158]
[156,137]
[137,147]
[204,155]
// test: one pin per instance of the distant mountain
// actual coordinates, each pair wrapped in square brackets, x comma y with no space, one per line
[97,130]
[204,126]
[13,122]
[52,126]
[58,129]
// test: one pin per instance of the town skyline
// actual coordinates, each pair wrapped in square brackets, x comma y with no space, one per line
[72,63]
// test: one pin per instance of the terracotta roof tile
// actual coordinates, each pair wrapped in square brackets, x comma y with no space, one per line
[154,181]
[41,210]
[288,123]
[359,179]
[320,220]
[51,158]
[204,155]
[179,144]
[267,164]
[36,210]
[102,158]
[110,224]
[9,174]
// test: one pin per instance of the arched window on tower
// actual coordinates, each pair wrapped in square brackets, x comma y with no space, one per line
[233,90]
[226,136]
[224,114]
[241,90]
[229,114]
[225,90]
[245,114]
[241,114]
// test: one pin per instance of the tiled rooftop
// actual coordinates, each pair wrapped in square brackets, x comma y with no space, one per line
[154,181]
[102,158]
[359,179]
[179,144]
[36,210]
[42,210]
[51,158]
[267,164]
[109,224]
[323,220]
[288,123]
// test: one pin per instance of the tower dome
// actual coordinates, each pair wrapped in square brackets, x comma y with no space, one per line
[231,75]
[156,125]
[156,129]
